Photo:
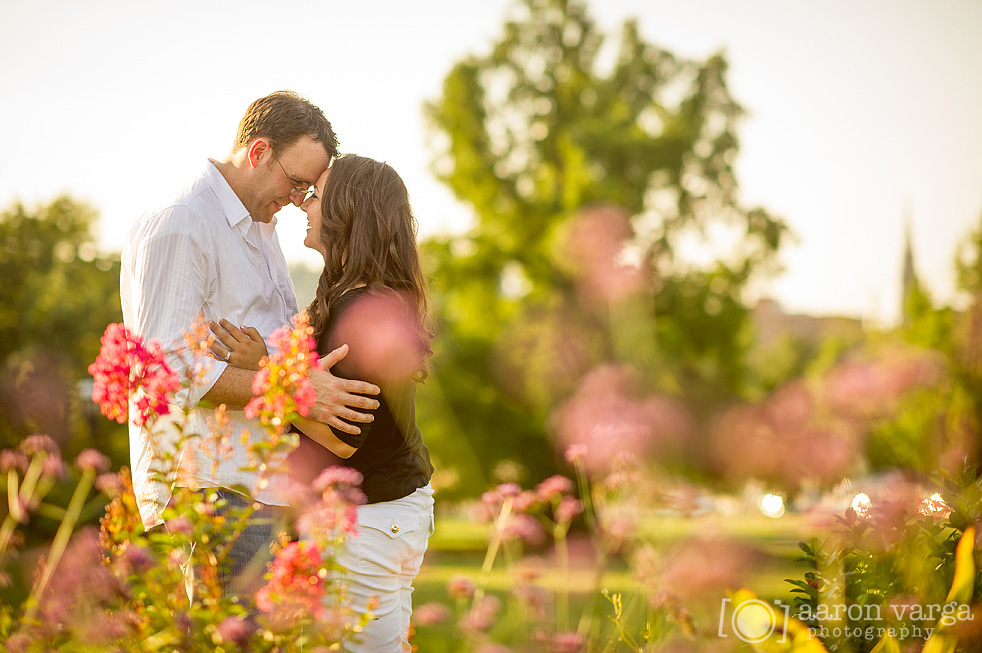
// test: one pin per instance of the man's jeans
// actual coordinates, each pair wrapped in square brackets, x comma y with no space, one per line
[245,566]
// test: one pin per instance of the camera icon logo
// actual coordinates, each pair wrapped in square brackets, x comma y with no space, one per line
[752,620]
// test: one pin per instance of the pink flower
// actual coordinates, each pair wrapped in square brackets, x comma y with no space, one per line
[11,459]
[575,453]
[39,443]
[179,525]
[234,630]
[125,366]
[554,488]
[482,616]
[522,527]
[567,643]
[492,647]
[525,501]
[19,643]
[593,249]
[567,509]
[337,477]
[295,586]
[607,417]
[92,460]
[460,587]
[282,385]
[134,559]
[339,487]
[109,483]
[431,614]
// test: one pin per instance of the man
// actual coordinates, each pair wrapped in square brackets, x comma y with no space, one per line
[214,250]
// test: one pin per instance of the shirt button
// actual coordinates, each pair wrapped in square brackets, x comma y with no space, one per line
[394,528]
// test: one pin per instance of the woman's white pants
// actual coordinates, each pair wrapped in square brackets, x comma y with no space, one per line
[383,561]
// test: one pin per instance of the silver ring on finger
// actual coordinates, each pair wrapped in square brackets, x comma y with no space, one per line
[228,354]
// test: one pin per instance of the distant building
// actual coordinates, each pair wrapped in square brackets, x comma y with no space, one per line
[773,325]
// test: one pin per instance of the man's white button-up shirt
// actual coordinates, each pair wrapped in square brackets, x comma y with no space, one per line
[202,254]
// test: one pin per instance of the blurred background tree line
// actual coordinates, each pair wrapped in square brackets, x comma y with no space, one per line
[608,235]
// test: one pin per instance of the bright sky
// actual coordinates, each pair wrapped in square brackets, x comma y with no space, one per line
[858,112]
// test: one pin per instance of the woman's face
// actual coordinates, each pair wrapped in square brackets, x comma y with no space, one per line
[312,207]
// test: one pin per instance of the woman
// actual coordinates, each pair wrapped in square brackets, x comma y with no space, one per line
[371,296]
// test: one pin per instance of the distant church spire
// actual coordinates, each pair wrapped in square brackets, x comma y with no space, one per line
[911,283]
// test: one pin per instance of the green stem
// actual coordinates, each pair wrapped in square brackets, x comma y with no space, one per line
[31,477]
[60,542]
[562,557]
[492,551]
[6,532]
[24,493]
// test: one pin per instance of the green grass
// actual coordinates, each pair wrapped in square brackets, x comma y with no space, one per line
[458,548]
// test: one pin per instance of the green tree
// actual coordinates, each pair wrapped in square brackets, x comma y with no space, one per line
[528,136]
[58,295]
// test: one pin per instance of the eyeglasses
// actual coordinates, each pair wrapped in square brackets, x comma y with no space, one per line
[298,189]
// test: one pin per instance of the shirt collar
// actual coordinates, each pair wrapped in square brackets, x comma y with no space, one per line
[235,211]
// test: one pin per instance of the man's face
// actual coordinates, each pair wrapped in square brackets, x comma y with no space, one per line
[278,173]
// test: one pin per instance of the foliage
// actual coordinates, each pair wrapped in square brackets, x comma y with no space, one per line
[968,262]
[541,138]
[537,612]
[58,294]
[898,568]
[138,594]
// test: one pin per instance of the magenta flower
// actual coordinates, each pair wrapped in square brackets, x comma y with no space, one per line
[295,586]
[282,386]
[125,368]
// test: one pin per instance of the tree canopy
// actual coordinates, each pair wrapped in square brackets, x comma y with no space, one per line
[570,146]
[58,295]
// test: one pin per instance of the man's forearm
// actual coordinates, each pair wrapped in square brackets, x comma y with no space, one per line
[233,388]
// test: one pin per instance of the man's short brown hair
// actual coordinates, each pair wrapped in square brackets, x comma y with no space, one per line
[283,117]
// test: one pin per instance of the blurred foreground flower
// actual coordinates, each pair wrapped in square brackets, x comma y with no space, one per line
[125,368]
[606,419]
[295,588]
[282,387]
[593,252]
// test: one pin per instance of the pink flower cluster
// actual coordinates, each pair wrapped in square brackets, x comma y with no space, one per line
[605,418]
[296,586]
[592,252]
[872,387]
[282,387]
[126,365]
[517,513]
[336,514]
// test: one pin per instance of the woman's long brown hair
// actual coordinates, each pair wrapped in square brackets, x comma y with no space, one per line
[369,233]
